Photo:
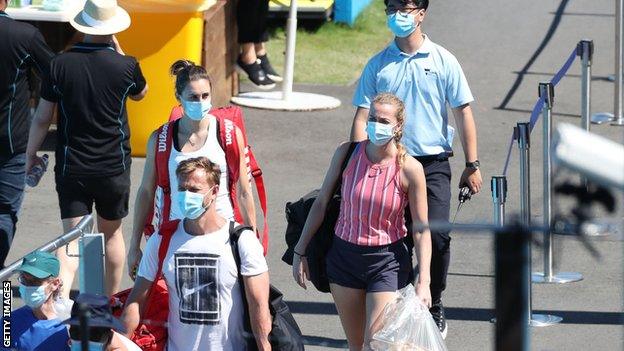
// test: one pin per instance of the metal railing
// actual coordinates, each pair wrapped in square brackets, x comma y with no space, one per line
[84,226]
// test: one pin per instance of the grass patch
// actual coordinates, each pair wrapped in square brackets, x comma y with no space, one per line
[333,53]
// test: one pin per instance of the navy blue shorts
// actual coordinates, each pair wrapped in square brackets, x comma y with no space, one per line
[371,268]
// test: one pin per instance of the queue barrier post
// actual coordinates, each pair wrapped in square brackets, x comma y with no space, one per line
[546,91]
[619,71]
[523,132]
[499,196]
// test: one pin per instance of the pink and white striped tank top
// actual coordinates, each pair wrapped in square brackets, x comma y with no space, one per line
[373,202]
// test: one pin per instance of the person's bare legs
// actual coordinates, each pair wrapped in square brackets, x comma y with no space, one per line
[259,49]
[351,306]
[375,303]
[115,253]
[68,265]
[248,53]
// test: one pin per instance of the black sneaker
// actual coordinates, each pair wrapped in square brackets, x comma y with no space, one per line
[437,312]
[270,72]
[256,74]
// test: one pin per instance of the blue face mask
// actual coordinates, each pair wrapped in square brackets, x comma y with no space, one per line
[401,25]
[33,296]
[379,133]
[192,204]
[76,345]
[196,110]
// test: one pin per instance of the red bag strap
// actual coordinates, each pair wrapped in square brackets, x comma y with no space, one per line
[227,140]
[166,231]
[163,151]
[256,174]
[227,121]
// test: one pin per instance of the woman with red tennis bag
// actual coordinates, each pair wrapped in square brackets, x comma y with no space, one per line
[228,120]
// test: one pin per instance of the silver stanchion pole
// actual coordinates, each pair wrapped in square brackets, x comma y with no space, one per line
[617,102]
[523,131]
[616,116]
[546,91]
[499,196]
[585,50]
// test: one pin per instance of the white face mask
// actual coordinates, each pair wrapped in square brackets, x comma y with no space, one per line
[63,308]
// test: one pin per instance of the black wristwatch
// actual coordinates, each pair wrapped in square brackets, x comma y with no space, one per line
[473,165]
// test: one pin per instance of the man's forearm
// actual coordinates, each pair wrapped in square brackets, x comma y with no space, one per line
[467,132]
[358,128]
[257,293]
[261,324]
[36,135]
[130,318]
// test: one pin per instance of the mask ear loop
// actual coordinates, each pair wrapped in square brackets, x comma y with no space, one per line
[213,200]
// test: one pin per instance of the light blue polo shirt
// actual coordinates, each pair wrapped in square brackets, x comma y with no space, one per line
[426,81]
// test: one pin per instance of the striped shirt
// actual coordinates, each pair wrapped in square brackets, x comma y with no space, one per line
[373,202]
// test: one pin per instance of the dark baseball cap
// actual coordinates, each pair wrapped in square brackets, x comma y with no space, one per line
[100,312]
[40,264]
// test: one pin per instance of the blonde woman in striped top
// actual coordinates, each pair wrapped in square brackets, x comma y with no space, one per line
[369,260]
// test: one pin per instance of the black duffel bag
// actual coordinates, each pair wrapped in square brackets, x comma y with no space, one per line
[296,215]
[285,333]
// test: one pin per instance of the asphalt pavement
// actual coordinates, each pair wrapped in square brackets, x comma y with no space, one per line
[506,48]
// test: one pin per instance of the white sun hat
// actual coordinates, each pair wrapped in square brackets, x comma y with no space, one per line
[101,17]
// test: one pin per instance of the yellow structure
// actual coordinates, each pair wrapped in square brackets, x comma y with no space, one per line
[158,40]
[303,5]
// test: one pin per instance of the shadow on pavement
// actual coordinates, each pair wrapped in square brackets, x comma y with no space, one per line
[585,14]
[472,275]
[547,37]
[476,314]
[561,114]
[305,307]
[568,75]
[325,342]
[569,317]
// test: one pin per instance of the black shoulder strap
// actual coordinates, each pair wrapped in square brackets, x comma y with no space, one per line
[235,233]
[176,127]
[345,162]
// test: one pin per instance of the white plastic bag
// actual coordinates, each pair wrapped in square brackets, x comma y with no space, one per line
[406,324]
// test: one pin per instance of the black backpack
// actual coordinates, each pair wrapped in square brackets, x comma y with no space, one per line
[296,215]
[285,333]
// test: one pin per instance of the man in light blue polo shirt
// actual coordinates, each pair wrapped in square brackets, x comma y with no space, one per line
[427,78]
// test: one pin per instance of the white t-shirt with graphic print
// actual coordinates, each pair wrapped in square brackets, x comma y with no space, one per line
[205,302]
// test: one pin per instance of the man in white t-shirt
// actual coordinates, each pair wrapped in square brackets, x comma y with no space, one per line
[205,301]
